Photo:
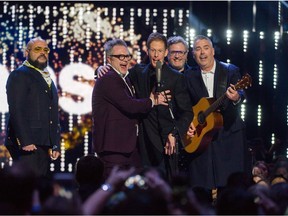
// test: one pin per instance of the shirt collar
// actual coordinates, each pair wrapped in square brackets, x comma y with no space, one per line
[212,71]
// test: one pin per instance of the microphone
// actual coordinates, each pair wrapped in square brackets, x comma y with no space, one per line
[158,75]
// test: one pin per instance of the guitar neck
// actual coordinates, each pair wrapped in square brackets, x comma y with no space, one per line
[243,83]
[213,107]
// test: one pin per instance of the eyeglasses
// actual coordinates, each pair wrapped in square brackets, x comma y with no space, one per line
[175,52]
[122,57]
[154,51]
[40,49]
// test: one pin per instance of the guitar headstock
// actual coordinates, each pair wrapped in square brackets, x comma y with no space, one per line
[245,82]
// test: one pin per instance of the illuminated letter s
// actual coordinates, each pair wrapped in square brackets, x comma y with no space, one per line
[76,91]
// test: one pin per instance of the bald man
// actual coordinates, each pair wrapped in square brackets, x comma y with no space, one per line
[33,130]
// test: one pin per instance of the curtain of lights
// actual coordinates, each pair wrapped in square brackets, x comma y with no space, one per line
[252,35]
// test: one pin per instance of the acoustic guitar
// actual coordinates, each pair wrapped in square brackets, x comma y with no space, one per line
[207,120]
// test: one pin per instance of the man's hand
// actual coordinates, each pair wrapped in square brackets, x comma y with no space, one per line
[30,147]
[54,155]
[191,130]
[160,98]
[232,94]
[170,146]
[102,70]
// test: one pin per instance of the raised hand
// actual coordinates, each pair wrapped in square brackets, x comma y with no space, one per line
[102,70]
[161,98]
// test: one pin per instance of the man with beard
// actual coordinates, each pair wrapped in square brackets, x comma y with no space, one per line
[33,130]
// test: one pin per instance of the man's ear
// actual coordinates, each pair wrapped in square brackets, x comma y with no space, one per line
[108,60]
[26,53]
[166,52]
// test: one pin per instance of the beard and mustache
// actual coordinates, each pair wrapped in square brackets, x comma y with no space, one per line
[37,64]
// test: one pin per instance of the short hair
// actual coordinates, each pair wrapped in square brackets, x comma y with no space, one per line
[201,37]
[33,40]
[177,39]
[108,46]
[155,36]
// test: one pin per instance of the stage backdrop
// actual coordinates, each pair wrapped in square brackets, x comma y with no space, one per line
[252,35]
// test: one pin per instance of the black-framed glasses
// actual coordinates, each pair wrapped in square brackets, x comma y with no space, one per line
[177,52]
[122,57]
[38,49]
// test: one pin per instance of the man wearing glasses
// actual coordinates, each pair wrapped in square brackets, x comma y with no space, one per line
[115,111]
[177,53]
[162,125]
[33,130]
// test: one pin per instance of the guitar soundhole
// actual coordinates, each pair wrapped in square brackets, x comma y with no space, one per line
[201,118]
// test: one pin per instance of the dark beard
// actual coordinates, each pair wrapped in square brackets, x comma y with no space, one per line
[37,64]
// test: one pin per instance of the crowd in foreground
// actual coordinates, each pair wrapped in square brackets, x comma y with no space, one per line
[85,192]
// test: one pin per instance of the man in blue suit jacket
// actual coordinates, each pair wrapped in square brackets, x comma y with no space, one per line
[33,128]
[115,111]
[227,153]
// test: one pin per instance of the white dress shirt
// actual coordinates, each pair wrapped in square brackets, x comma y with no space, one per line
[208,78]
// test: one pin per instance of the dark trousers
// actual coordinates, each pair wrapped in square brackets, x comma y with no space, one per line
[123,160]
[37,160]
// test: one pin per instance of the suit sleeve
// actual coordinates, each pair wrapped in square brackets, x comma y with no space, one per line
[234,76]
[116,92]
[17,89]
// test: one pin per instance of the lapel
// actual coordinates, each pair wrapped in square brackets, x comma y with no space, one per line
[54,92]
[127,83]
[42,83]
[165,77]
[200,88]
[145,76]
[216,77]
[220,79]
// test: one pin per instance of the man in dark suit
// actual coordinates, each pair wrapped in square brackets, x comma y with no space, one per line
[160,127]
[177,53]
[33,128]
[227,152]
[115,111]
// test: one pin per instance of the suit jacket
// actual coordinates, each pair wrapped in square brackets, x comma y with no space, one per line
[33,110]
[115,114]
[157,124]
[227,152]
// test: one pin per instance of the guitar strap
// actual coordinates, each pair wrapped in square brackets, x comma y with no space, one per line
[222,79]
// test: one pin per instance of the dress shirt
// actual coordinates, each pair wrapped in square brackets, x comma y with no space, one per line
[208,78]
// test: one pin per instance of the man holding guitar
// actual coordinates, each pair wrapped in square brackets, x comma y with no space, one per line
[218,132]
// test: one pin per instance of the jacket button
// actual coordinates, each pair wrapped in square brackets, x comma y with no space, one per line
[51,122]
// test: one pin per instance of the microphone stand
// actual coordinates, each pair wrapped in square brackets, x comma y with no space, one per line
[177,134]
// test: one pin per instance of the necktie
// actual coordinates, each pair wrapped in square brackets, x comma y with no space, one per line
[129,85]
